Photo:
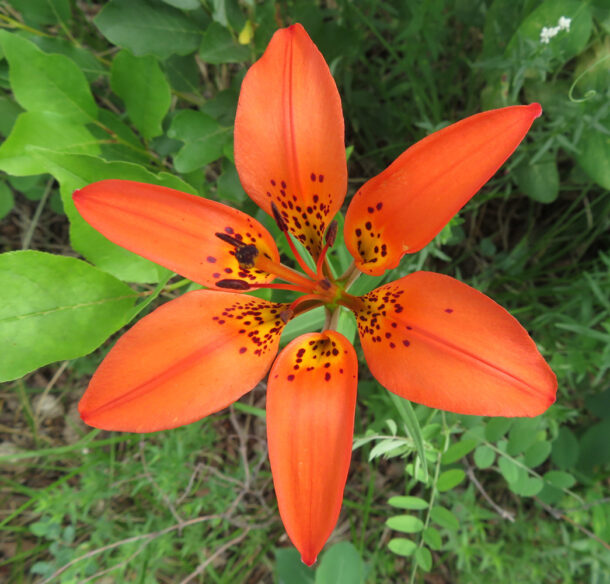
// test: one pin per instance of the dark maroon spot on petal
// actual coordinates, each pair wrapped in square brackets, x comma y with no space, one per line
[392,346]
[216,275]
[211,259]
[283,183]
[379,205]
[368,225]
[290,377]
[313,177]
[272,182]
[321,178]
[449,310]
[243,350]
[358,232]
[230,230]
[406,343]
[327,376]
[228,270]
[371,210]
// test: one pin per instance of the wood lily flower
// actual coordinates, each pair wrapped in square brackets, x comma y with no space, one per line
[426,337]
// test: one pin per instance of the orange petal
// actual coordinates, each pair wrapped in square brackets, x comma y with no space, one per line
[190,357]
[402,209]
[174,229]
[311,398]
[289,142]
[438,342]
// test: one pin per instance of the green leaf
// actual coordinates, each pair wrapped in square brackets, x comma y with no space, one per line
[537,453]
[565,449]
[527,486]
[566,44]
[229,186]
[509,470]
[218,46]
[340,563]
[204,139]
[147,29]
[289,569]
[594,156]
[444,518]
[47,83]
[74,172]
[402,546]
[405,523]
[38,13]
[496,428]
[408,502]
[484,456]
[141,84]
[54,307]
[432,538]
[539,181]
[522,435]
[559,479]
[184,4]
[450,479]
[423,557]
[9,111]
[7,201]
[405,410]
[458,450]
[45,130]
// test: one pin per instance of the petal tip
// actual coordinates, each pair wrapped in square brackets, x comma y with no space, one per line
[307,559]
[536,109]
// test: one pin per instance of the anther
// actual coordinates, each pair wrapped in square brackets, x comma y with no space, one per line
[230,240]
[286,315]
[246,255]
[331,234]
[325,283]
[231,284]
[278,217]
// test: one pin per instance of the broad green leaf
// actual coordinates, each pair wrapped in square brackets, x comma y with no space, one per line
[218,46]
[539,181]
[45,130]
[402,546]
[537,453]
[74,172]
[408,502]
[229,186]
[527,486]
[340,563]
[141,84]
[559,479]
[432,538]
[496,428]
[43,12]
[445,518]
[594,156]
[9,112]
[522,435]
[509,470]
[484,456]
[184,4]
[458,450]
[7,200]
[565,449]
[566,44]
[405,523]
[289,569]
[450,479]
[148,29]
[204,139]
[423,557]
[47,83]
[54,307]
[304,323]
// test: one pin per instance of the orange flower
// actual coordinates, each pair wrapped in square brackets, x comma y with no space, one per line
[426,337]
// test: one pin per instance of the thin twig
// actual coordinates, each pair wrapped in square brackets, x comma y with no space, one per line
[27,238]
[501,512]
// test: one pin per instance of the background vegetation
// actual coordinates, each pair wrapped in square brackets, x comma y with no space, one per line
[147,90]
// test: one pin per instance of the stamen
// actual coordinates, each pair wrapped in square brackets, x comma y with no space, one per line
[246,255]
[278,218]
[230,240]
[331,235]
[232,284]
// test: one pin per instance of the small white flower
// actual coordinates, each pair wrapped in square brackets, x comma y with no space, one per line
[564,23]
